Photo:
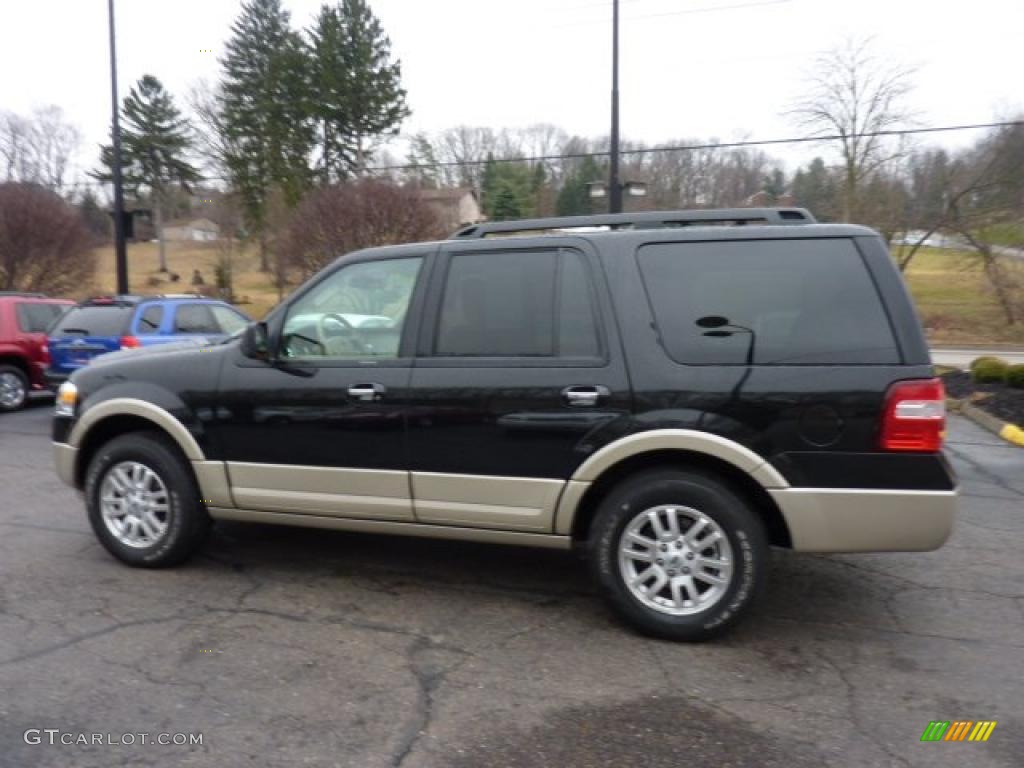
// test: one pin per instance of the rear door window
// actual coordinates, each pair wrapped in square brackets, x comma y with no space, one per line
[785,302]
[195,318]
[150,319]
[518,304]
[94,321]
[36,318]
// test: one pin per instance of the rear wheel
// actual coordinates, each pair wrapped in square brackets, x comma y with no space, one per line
[143,501]
[13,388]
[678,554]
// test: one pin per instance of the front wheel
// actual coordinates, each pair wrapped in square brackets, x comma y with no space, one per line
[143,501]
[678,554]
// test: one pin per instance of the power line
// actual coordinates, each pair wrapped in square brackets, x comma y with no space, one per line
[652,150]
[687,12]
[695,147]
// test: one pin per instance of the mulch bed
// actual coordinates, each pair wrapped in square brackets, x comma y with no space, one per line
[1000,400]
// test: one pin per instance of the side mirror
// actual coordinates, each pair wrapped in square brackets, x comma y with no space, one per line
[254,341]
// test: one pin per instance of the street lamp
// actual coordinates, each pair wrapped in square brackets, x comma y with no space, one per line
[614,185]
[599,190]
[120,250]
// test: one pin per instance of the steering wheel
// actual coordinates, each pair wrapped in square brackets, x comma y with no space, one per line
[350,331]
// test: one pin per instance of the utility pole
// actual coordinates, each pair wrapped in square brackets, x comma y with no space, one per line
[614,185]
[120,250]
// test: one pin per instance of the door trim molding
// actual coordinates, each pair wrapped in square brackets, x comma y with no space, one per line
[486,501]
[305,490]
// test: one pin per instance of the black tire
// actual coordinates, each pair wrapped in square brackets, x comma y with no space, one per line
[21,381]
[187,521]
[710,496]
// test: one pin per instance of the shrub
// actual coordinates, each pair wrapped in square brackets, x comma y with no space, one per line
[1015,376]
[986,370]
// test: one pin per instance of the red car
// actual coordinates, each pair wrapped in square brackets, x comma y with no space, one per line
[24,318]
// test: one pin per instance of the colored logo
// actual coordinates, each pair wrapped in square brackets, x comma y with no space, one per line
[958,730]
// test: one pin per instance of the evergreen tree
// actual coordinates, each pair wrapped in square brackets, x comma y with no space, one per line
[574,198]
[815,188]
[155,143]
[359,94]
[509,190]
[266,112]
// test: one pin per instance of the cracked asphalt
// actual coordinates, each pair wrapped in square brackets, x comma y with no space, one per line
[300,647]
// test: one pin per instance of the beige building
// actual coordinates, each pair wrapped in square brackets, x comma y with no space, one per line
[193,229]
[456,206]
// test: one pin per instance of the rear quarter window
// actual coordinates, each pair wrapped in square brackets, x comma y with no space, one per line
[37,317]
[94,321]
[790,302]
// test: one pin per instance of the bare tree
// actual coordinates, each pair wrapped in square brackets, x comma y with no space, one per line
[44,244]
[333,220]
[38,149]
[853,94]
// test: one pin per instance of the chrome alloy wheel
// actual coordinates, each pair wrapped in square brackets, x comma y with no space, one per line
[675,559]
[12,390]
[134,504]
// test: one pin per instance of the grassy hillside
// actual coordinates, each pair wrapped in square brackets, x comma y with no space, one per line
[951,293]
[955,301]
[254,289]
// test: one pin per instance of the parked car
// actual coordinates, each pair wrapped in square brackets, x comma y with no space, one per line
[673,393]
[105,324]
[24,318]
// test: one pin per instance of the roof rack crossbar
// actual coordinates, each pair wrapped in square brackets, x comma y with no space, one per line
[643,220]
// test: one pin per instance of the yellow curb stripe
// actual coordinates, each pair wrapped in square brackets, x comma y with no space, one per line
[1012,433]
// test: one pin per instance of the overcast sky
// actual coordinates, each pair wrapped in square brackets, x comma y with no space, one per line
[690,68]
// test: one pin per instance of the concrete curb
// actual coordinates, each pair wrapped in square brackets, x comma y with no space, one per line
[1011,433]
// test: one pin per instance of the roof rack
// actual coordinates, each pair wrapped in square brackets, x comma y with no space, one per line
[736,217]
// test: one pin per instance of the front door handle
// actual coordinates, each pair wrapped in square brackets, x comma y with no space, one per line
[367,392]
[585,396]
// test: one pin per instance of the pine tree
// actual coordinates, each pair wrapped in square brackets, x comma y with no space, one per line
[574,198]
[156,141]
[266,110]
[359,94]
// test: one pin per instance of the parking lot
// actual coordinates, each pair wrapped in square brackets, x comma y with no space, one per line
[304,647]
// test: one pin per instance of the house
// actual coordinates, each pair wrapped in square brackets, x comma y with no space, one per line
[455,206]
[765,199]
[192,229]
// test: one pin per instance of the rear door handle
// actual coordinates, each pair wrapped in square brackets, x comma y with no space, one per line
[367,392]
[585,396]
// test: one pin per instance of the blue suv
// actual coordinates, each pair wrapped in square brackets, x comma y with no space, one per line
[109,323]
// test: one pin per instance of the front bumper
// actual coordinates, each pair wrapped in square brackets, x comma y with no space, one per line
[64,457]
[866,520]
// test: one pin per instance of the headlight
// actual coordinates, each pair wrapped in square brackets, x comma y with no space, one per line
[67,399]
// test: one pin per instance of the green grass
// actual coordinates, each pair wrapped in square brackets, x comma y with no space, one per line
[954,299]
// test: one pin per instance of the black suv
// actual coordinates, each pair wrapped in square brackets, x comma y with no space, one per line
[674,392]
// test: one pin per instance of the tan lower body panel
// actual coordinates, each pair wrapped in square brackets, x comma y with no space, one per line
[855,520]
[212,477]
[518,538]
[360,493]
[508,503]
[64,457]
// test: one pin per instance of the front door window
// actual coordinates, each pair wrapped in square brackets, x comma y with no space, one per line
[356,312]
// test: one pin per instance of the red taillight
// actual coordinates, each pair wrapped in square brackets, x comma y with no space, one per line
[129,342]
[44,353]
[915,416]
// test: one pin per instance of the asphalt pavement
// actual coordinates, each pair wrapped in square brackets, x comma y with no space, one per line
[299,647]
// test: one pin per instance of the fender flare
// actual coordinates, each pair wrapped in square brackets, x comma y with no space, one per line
[693,441]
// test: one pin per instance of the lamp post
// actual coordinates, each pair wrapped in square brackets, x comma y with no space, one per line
[614,185]
[120,251]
